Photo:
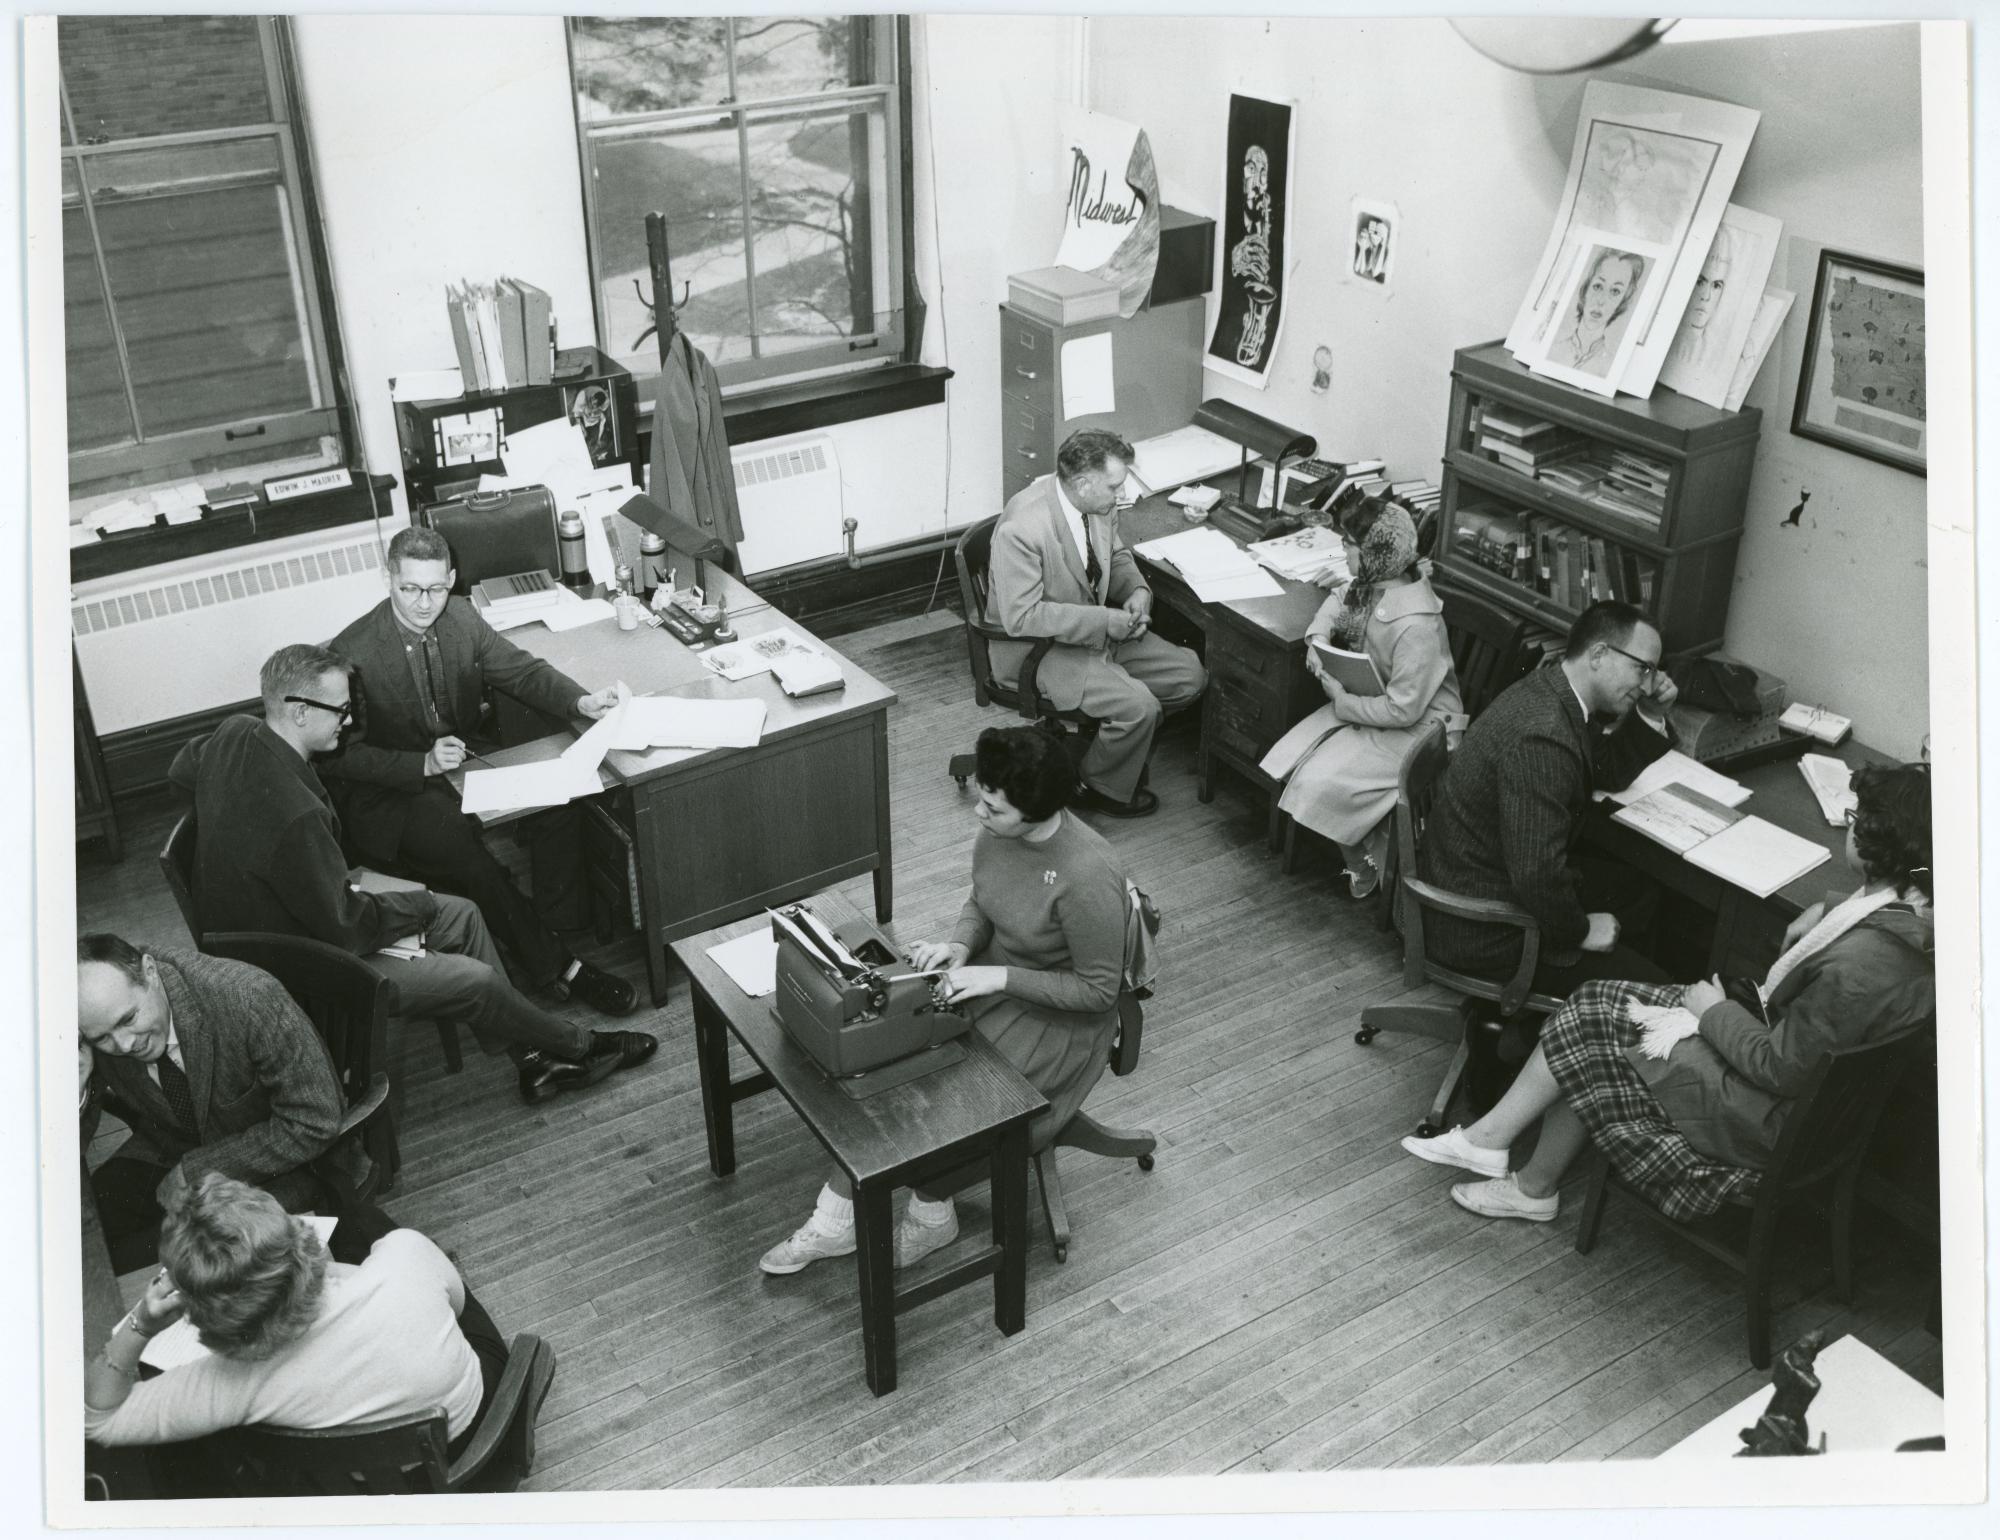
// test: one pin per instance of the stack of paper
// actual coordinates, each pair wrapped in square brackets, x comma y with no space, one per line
[1816,722]
[563,610]
[1313,555]
[750,961]
[1832,785]
[1183,455]
[1674,768]
[1215,567]
[675,722]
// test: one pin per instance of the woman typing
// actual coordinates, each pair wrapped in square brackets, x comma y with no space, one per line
[1340,764]
[1686,1089]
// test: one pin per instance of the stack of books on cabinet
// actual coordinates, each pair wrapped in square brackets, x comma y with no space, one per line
[1554,499]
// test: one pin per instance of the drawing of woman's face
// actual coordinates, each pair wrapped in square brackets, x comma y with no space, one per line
[1605,292]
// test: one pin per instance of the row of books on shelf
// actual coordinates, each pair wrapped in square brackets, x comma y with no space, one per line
[1623,480]
[503,332]
[1569,566]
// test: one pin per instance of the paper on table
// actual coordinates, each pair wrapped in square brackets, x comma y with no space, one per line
[1087,385]
[547,783]
[1171,458]
[1758,856]
[582,612]
[1255,584]
[1676,817]
[601,737]
[550,452]
[427,385]
[1674,768]
[673,721]
[180,1343]
[751,961]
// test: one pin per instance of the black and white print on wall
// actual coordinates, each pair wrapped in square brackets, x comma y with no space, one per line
[1256,230]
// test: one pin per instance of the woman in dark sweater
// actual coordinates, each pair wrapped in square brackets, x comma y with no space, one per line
[1038,955]
[1686,1090]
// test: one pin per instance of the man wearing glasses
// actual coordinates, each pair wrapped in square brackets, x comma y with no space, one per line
[268,858]
[1513,799]
[423,663]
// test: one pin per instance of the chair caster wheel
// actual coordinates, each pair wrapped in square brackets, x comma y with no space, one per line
[1145,1162]
[1428,1131]
[1365,1036]
[961,781]
[1062,1253]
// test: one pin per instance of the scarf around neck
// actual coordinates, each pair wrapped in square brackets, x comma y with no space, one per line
[1387,551]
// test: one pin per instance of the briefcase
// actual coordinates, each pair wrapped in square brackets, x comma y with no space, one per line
[497,534]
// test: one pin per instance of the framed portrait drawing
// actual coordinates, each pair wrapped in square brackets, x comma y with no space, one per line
[1861,381]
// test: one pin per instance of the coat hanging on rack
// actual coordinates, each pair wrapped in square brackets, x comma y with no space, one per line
[691,471]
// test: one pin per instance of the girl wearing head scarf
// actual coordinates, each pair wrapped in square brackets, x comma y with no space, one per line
[1340,764]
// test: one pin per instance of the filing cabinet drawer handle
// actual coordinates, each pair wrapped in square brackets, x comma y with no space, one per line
[1026,374]
[1027,454]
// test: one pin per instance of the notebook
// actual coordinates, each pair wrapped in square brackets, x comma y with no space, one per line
[1355,670]
[1758,856]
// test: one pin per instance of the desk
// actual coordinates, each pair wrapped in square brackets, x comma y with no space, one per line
[1254,650]
[1865,1405]
[719,833]
[1748,930]
[894,1138]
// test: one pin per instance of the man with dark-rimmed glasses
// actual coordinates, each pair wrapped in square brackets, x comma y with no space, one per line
[268,858]
[1512,802]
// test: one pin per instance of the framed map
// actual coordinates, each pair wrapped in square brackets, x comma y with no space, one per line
[1861,382]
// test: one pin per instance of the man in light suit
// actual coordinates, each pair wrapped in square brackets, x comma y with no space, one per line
[212,1067]
[1059,569]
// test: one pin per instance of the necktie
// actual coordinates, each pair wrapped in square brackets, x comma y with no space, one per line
[175,1086]
[432,670]
[1092,568]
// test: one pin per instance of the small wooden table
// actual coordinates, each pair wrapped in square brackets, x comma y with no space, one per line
[894,1138]
[1865,1405]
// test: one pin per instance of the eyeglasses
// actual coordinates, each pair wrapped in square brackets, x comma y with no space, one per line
[345,711]
[1647,670]
[411,593]
[1850,815]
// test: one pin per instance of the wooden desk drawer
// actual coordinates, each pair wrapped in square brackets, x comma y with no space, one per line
[1232,702]
[1027,439]
[1227,736]
[1027,360]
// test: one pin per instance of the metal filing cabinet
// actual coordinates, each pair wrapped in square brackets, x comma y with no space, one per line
[1155,372]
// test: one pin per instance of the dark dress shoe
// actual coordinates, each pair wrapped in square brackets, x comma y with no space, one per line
[596,988]
[544,1075]
[1143,802]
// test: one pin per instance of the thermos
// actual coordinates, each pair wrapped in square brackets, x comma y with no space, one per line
[575,561]
[652,563]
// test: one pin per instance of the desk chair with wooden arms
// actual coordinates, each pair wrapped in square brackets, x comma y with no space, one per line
[177,867]
[1084,1132]
[973,556]
[348,1004]
[1483,999]
[402,1454]
[1826,1138]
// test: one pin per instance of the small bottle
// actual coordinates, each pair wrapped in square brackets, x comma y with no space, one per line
[652,563]
[575,560]
[621,580]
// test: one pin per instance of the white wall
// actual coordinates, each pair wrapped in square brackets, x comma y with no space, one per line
[1474,156]
[446,149]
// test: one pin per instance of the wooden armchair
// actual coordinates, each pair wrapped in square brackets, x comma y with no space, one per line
[1482,999]
[1827,1135]
[402,1454]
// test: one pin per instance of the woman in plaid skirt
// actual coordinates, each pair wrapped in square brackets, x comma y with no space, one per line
[1685,1088]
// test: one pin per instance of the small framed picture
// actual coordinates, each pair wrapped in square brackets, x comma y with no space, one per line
[465,438]
[1374,227]
[594,412]
[1861,381]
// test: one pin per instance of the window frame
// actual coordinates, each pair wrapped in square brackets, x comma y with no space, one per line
[152,459]
[835,358]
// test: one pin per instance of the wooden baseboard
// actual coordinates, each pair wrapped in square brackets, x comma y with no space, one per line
[136,760]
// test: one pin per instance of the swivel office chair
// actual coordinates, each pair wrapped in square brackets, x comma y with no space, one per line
[1483,999]
[1084,1132]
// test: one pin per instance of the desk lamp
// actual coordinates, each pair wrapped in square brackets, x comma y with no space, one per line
[1256,435]
[690,540]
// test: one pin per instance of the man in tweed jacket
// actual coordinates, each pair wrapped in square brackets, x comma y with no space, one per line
[261,1096]
[1513,799]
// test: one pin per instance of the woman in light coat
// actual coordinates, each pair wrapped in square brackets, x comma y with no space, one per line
[1341,763]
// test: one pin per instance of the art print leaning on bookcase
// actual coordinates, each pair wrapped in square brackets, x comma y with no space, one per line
[1861,381]
[1554,499]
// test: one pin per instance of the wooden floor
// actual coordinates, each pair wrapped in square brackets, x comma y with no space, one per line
[1286,1291]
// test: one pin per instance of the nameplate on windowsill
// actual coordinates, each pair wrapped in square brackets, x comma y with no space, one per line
[285,487]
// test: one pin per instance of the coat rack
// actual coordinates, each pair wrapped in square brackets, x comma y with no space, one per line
[661,268]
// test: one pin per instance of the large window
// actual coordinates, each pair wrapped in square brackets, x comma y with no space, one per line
[773,145]
[192,308]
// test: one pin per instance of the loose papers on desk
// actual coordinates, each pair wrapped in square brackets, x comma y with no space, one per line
[1312,555]
[1215,566]
[1758,856]
[754,655]
[1832,786]
[750,961]
[1183,455]
[562,610]
[1674,768]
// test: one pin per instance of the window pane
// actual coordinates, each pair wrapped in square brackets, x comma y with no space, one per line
[798,55]
[695,178]
[98,411]
[130,76]
[816,274]
[198,243]
[629,64]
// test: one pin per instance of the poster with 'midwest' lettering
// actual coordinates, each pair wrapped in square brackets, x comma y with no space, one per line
[1111,205]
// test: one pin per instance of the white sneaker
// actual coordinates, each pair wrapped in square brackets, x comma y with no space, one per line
[917,1237]
[1452,1148]
[818,1237]
[1502,1198]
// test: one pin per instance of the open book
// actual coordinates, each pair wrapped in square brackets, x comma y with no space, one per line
[1356,671]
